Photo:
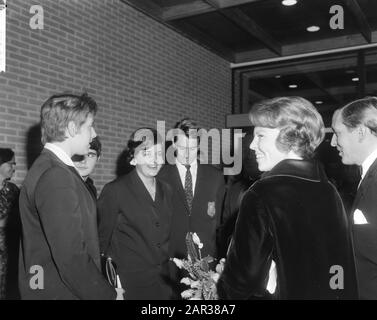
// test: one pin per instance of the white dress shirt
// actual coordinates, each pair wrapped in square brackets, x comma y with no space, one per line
[358,215]
[182,173]
[367,163]
[60,153]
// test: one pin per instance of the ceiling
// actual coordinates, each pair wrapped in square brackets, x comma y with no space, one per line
[244,30]
[270,48]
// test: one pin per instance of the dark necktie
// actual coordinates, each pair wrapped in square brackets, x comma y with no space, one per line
[188,187]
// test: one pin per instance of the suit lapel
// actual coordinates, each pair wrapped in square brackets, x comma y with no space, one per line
[199,184]
[148,212]
[82,181]
[140,191]
[70,168]
[161,197]
[88,212]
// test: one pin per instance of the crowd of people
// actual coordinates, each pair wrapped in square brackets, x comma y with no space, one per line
[284,235]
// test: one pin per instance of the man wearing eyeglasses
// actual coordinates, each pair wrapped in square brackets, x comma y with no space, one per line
[197,199]
[85,164]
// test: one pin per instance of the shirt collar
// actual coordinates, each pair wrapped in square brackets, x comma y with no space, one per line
[368,162]
[60,153]
[193,165]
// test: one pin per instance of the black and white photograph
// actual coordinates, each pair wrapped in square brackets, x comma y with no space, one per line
[188,154]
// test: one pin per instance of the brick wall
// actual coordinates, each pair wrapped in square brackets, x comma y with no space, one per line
[138,70]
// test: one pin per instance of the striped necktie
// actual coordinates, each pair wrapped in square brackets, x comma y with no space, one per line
[188,187]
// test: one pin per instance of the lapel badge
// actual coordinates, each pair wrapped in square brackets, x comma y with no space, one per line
[211,211]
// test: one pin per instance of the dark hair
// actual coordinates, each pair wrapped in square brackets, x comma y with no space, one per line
[6,154]
[96,145]
[59,110]
[142,139]
[189,128]
[361,111]
[301,126]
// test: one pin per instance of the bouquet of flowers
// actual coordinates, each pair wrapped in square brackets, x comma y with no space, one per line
[202,280]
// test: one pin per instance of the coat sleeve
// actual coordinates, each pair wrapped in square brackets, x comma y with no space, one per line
[107,210]
[59,209]
[247,265]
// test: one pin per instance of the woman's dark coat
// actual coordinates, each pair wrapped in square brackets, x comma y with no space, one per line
[134,230]
[294,216]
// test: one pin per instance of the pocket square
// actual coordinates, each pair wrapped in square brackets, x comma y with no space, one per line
[272,277]
[358,217]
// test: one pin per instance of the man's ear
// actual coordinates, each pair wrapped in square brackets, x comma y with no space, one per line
[71,129]
[133,162]
[362,132]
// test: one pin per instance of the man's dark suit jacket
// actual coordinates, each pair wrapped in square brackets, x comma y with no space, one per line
[134,232]
[206,208]
[365,235]
[59,234]
[205,216]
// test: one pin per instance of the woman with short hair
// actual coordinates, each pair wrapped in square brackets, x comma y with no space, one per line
[134,221]
[291,239]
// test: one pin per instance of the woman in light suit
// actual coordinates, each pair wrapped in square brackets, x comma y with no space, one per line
[134,221]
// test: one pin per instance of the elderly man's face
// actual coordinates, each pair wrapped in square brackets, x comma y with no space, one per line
[264,145]
[346,141]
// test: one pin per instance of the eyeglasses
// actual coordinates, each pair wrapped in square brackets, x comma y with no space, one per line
[79,158]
